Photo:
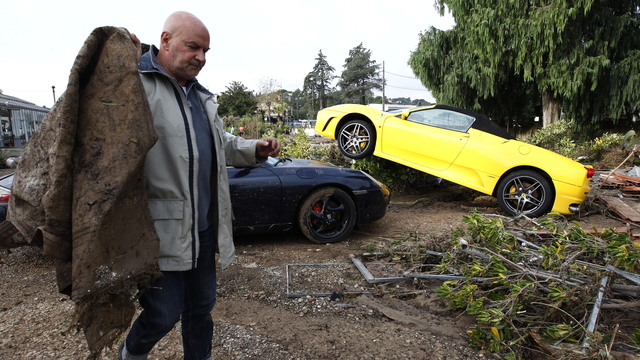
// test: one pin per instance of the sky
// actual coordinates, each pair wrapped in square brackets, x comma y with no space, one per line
[251,41]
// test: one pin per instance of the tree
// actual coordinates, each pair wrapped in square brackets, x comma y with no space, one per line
[378,100]
[284,109]
[457,76]
[360,75]
[298,102]
[236,100]
[421,102]
[318,81]
[582,56]
[268,95]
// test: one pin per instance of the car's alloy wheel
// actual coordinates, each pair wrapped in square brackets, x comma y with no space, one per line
[525,192]
[327,215]
[357,139]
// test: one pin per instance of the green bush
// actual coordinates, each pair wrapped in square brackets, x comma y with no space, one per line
[331,153]
[397,177]
[296,147]
[556,137]
[560,138]
[300,146]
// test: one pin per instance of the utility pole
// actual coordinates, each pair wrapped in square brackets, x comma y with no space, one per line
[383,86]
[53,88]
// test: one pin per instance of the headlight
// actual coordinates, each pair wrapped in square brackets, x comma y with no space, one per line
[383,187]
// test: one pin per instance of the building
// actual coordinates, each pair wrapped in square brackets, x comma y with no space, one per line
[19,120]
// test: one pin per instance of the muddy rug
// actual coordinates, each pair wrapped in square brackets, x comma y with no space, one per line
[80,187]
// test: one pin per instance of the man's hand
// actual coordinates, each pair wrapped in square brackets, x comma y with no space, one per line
[269,146]
[138,45]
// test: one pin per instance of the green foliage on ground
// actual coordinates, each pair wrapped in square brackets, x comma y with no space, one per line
[545,287]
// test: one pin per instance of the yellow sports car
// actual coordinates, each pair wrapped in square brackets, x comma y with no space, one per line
[465,148]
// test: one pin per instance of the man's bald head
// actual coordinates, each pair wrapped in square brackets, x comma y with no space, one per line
[183,44]
[177,21]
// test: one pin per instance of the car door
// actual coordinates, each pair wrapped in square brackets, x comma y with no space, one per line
[256,196]
[429,138]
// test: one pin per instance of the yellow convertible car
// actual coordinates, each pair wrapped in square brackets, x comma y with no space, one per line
[465,148]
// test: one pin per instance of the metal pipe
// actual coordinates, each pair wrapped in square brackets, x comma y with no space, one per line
[624,274]
[596,310]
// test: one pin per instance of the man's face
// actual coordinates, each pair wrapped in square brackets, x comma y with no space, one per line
[186,50]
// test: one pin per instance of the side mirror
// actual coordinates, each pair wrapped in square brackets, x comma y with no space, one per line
[405,114]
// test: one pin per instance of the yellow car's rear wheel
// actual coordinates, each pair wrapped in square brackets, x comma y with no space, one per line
[357,139]
[525,192]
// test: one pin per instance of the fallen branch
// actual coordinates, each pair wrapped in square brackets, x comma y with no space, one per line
[624,287]
[621,306]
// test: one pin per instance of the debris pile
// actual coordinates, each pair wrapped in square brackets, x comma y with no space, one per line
[547,288]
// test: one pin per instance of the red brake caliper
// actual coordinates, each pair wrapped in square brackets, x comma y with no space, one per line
[317,208]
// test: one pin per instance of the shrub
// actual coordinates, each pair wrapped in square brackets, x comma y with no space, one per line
[556,137]
[560,138]
[331,153]
[397,177]
[296,147]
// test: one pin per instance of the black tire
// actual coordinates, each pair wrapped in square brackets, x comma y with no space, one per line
[525,192]
[327,215]
[357,139]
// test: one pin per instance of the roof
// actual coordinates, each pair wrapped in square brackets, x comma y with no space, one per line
[12,102]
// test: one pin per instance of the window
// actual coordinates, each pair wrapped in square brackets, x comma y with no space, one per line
[445,119]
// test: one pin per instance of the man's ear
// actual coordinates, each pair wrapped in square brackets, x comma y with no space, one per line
[165,37]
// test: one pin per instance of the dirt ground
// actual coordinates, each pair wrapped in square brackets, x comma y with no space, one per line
[256,319]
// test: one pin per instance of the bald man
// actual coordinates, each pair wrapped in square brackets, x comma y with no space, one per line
[188,190]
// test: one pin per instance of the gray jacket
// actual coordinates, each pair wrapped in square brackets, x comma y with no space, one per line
[171,167]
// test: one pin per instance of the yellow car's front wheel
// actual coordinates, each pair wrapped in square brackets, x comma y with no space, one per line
[525,192]
[356,139]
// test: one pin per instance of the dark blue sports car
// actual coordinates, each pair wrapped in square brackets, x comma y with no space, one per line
[323,200]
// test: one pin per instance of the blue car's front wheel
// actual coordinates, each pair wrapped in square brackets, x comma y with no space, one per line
[327,215]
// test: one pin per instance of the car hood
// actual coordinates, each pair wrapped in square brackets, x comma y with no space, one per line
[298,163]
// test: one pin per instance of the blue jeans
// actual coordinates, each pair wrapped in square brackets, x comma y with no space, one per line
[189,295]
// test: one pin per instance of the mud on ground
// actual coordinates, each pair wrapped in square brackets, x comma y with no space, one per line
[255,319]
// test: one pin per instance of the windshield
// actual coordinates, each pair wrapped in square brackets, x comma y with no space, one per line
[7,182]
